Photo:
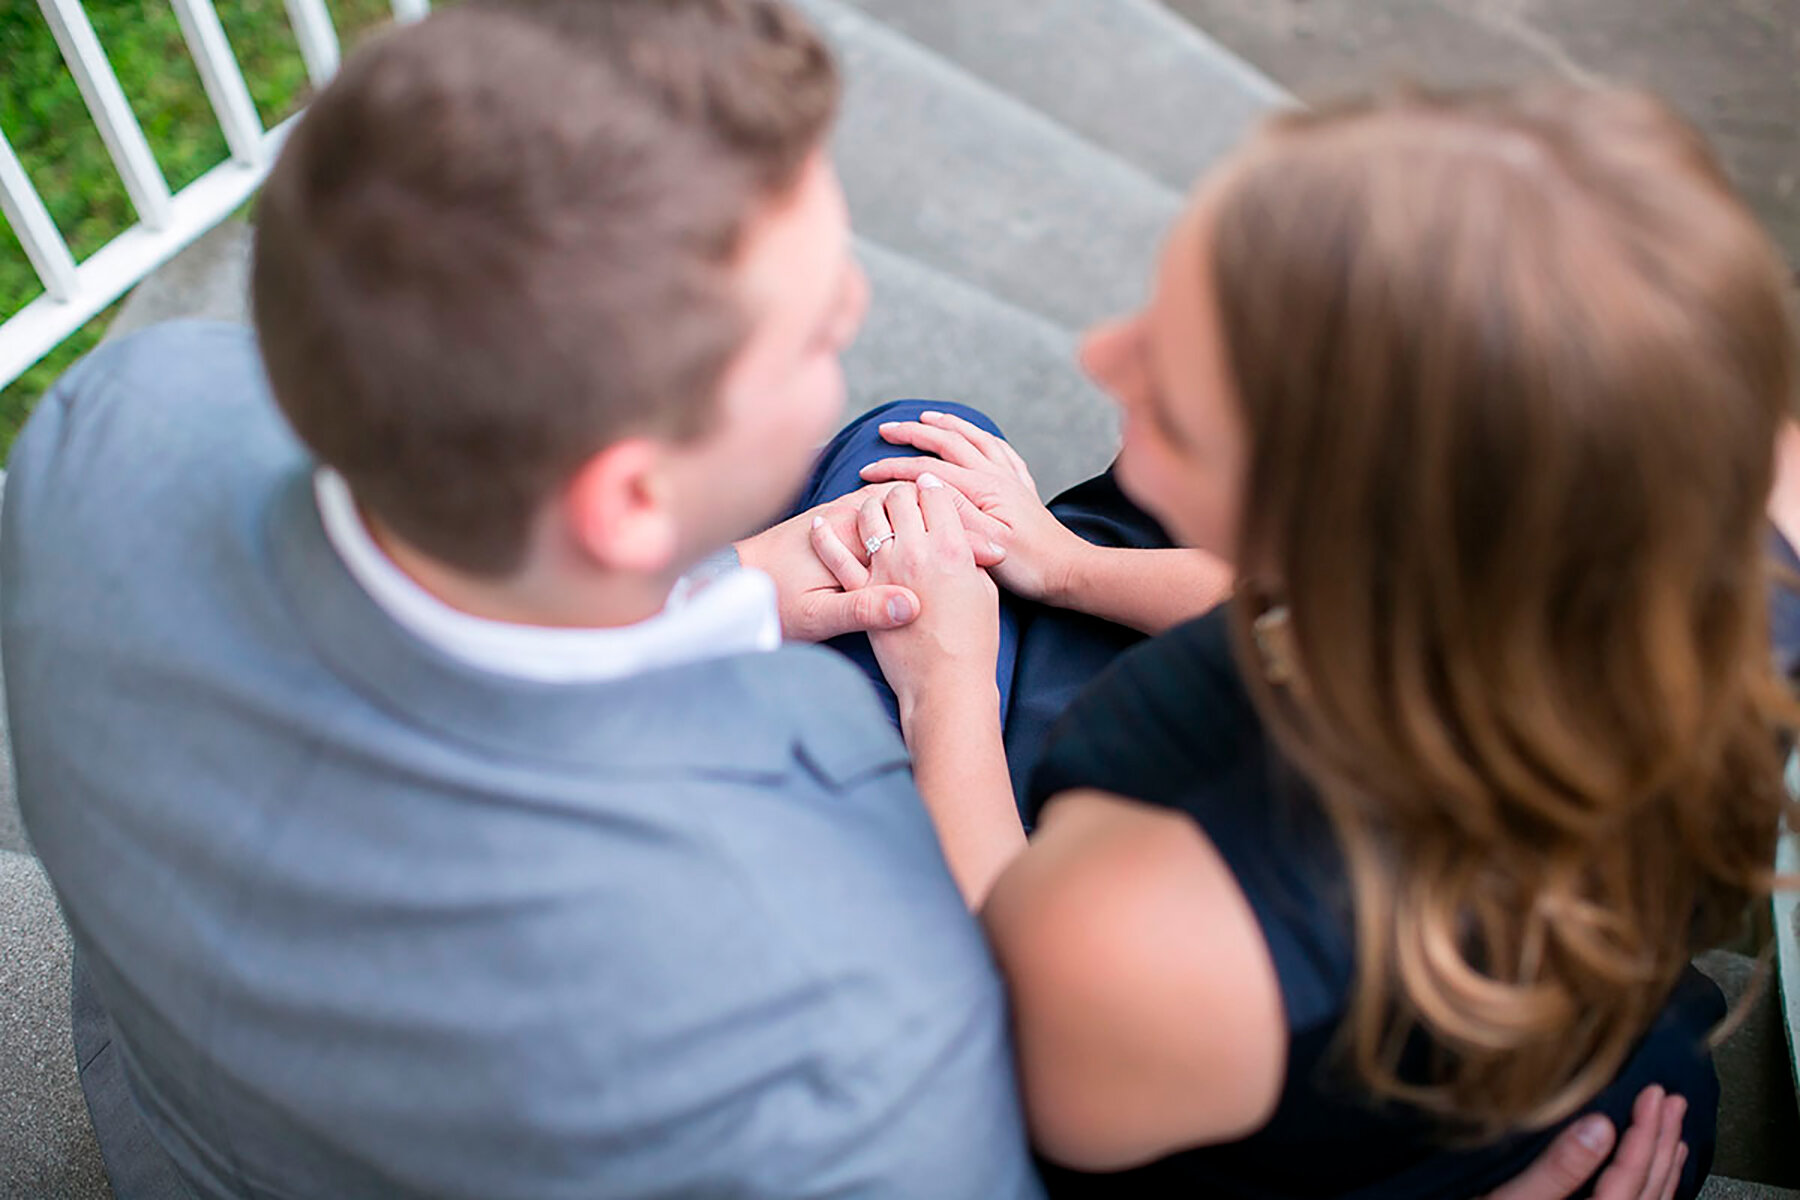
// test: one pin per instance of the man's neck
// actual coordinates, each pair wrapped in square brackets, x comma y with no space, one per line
[535,596]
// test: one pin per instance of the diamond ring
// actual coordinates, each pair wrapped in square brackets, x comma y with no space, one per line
[872,544]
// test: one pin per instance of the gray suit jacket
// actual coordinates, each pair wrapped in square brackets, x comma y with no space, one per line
[369,922]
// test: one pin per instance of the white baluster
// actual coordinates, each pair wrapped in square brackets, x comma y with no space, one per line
[118,125]
[224,82]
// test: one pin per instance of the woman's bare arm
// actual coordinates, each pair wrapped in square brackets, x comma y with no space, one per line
[1148,1014]
[1147,590]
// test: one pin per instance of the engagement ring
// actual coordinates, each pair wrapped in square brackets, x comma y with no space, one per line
[877,542]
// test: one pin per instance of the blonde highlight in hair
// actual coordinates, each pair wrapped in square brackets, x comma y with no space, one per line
[1512,367]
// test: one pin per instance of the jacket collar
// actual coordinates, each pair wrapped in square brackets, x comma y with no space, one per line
[735,715]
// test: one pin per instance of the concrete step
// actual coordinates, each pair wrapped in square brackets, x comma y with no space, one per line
[1759,1126]
[943,167]
[932,336]
[209,280]
[1720,1188]
[47,1146]
[1128,75]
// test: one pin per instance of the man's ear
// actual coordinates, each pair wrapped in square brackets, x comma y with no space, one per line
[617,509]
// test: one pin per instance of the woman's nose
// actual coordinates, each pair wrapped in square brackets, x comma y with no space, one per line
[1106,352]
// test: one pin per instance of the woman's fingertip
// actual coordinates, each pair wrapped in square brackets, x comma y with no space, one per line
[928,480]
[899,610]
[996,549]
[931,414]
[818,523]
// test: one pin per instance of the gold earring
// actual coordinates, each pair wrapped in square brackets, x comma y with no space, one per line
[1274,638]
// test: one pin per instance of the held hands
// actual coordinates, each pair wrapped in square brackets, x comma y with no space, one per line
[1040,552]
[920,545]
[821,597]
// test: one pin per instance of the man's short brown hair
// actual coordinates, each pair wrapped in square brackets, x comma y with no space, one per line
[502,239]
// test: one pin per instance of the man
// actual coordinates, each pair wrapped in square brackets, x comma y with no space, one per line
[429,821]
[424,826]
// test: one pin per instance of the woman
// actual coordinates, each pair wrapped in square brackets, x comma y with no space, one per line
[1369,881]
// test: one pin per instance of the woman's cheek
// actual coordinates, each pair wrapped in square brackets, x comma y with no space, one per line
[1137,478]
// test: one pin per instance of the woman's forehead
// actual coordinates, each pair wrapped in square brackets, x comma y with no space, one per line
[1180,279]
[1183,265]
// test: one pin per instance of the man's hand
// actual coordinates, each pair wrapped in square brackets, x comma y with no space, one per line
[814,604]
[1040,551]
[1647,1167]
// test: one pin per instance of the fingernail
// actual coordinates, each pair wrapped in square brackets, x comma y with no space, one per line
[818,521]
[929,413]
[888,425]
[1591,1132]
[867,469]
[899,610]
[996,549]
[928,480]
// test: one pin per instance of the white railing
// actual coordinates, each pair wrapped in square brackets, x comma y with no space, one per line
[74,292]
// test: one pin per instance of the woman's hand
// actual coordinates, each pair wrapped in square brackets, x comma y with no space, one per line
[921,546]
[1040,552]
[941,668]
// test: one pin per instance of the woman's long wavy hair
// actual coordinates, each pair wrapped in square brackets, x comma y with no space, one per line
[1512,368]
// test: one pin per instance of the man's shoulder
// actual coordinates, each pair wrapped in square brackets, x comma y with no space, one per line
[788,758]
[143,475]
[777,757]
[838,724]
[163,413]
[171,345]
[176,368]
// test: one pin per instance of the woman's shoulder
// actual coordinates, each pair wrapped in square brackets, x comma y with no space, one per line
[1168,714]
[1116,930]
[1171,726]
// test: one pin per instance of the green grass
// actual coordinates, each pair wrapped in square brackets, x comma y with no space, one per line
[42,114]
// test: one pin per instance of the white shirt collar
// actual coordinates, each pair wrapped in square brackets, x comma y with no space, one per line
[735,613]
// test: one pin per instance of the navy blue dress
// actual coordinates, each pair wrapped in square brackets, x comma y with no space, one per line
[1169,723]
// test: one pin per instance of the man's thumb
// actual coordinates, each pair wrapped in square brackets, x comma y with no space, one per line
[873,607]
[1571,1160]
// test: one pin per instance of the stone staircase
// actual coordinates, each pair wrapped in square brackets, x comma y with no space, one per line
[1012,166]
